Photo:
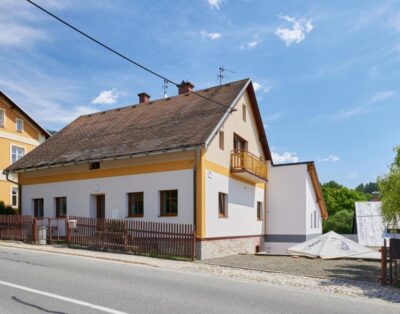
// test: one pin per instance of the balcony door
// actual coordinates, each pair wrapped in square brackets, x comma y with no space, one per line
[239,144]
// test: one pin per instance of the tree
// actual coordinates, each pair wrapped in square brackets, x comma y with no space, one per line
[6,209]
[368,188]
[389,188]
[340,203]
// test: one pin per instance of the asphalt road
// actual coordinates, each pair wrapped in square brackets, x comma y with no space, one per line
[38,282]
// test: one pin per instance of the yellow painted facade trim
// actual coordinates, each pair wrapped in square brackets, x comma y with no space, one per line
[201,196]
[110,172]
[212,166]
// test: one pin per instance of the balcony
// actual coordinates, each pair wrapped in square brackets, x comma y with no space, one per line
[248,166]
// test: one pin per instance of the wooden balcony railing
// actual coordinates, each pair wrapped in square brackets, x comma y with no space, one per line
[243,161]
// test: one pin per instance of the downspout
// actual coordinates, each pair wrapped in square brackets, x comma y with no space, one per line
[19,190]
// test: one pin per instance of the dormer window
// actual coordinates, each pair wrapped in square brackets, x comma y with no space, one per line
[94,165]
[19,124]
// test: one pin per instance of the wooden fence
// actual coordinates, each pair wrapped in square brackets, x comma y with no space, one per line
[16,227]
[135,237]
[390,262]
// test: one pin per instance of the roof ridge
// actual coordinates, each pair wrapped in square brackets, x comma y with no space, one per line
[161,99]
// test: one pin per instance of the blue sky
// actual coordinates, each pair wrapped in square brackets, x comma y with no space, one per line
[326,72]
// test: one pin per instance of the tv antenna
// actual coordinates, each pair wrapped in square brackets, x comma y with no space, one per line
[221,75]
[165,88]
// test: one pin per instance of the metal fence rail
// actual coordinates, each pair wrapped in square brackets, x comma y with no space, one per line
[16,227]
[135,237]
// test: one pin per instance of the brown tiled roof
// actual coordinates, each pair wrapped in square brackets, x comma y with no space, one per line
[176,122]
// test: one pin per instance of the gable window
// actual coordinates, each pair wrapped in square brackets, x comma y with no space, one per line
[221,140]
[315,219]
[94,165]
[222,205]
[38,209]
[169,203]
[2,118]
[239,144]
[14,197]
[61,207]
[19,124]
[244,113]
[135,204]
[259,210]
[16,153]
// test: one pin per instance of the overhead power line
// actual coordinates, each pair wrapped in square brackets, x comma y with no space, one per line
[120,54]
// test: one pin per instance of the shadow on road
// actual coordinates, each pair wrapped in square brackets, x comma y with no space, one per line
[36,306]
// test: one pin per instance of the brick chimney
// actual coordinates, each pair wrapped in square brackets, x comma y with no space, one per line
[143,98]
[185,87]
[375,196]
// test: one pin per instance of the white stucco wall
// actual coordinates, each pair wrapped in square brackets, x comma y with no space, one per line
[312,209]
[242,207]
[286,200]
[80,202]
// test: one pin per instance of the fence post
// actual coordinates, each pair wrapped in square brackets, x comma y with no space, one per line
[383,263]
[125,236]
[34,230]
[194,243]
[68,231]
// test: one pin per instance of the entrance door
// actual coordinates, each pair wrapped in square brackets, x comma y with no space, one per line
[100,206]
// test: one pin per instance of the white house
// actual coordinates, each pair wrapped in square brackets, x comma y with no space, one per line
[193,158]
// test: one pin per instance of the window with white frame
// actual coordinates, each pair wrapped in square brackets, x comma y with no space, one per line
[2,118]
[19,124]
[14,196]
[17,153]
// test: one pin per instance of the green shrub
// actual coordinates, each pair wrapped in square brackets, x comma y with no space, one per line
[6,209]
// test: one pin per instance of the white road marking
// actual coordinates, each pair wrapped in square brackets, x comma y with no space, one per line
[59,297]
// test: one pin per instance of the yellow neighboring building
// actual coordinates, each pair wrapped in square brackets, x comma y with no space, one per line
[19,134]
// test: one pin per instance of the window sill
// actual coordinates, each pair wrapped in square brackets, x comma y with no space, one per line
[171,215]
[135,216]
[222,217]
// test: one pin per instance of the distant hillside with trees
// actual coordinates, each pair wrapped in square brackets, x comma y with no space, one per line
[340,203]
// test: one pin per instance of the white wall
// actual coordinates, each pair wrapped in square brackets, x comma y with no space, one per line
[286,200]
[242,207]
[79,193]
[312,209]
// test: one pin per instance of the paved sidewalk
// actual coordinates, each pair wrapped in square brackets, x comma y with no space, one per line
[350,288]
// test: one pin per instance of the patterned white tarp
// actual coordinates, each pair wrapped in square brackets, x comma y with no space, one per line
[332,245]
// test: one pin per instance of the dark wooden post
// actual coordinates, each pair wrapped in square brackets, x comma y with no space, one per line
[68,231]
[383,263]
[194,243]
[34,230]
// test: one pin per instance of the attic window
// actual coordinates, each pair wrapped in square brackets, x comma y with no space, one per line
[221,140]
[244,112]
[94,165]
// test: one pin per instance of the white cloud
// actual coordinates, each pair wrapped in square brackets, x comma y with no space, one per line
[215,4]
[250,45]
[363,109]
[14,35]
[297,33]
[286,157]
[351,175]
[107,97]
[210,35]
[274,117]
[258,87]
[330,158]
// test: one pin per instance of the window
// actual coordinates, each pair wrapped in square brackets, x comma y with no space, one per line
[17,153]
[259,210]
[94,165]
[222,205]
[2,118]
[135,204]
[244,113]
[315,219]
[38,210]
[221,140]
[19,124]
[14,197]
[61,207]
[311,220]
[239,143]
[169,203]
